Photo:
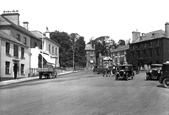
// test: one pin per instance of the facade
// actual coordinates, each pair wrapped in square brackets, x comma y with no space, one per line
[14,56]
[90,56]
[119,55]
[49,52]
[149,48]
[9,24]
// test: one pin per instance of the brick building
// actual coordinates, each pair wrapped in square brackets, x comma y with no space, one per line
[149,48]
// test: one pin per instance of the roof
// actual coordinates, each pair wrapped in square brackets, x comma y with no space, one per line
[39,34]
[120,48]
[6,22]
[156,65]
[10,38]
[150,36]
[89,47]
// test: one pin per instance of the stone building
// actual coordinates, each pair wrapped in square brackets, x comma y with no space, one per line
[149,48]
[90,56]
[119,55]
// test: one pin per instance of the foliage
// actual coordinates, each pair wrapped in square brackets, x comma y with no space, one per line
[121,42]
[68,44]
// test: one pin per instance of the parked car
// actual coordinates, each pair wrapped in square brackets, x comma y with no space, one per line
[164,79]
[124,72]
[155,72]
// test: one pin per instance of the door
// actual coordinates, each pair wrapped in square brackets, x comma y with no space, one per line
[15,69]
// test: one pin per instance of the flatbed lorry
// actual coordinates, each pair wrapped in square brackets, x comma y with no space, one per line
[47,73]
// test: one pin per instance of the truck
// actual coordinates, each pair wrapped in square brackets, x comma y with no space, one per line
[47,72]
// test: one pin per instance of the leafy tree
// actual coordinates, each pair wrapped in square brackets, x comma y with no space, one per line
[121,42]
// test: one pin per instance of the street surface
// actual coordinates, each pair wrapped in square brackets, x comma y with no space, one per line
[85,93]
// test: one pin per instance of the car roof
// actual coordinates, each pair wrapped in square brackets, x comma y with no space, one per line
[156,65]
[125,65]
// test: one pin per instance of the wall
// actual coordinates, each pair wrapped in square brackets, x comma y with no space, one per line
[5,58]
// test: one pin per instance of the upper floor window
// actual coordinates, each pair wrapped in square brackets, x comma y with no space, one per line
[35,44]
[122,53]
[18,37]
[52,49]
[16,51]
[49,48]
[150,53]
[24,40]
[22,52]
[7,65]
[157,51]
[7,48]
[56,52]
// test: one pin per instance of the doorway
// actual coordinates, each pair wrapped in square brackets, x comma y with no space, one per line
[15,69]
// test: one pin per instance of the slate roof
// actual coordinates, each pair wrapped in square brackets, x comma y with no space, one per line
[5,22]
[120,48]
[151,35]
[10,38]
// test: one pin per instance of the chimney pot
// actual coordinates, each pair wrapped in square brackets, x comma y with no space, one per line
[25,25]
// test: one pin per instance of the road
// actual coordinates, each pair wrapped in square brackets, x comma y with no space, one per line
[85,93]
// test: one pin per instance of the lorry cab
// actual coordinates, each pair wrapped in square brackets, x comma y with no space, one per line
[164,79]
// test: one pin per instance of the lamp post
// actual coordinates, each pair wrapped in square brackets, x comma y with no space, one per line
[42,50]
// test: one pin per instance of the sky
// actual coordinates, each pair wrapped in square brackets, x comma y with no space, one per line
[92,18]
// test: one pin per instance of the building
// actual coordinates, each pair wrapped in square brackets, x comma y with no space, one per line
[149,48]
[10,24]
[119,55]
[14,56]
[104,61]
[49,52]
[90,56]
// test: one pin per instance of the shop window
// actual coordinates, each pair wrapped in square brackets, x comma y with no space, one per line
[22,69]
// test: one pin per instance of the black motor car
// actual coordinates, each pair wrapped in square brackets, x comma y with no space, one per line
[155,72]
[124,72]
[164,79]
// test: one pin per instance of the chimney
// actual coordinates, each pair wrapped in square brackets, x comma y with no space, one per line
[25,25]
[47,33]
[13,16]
[135,36]
[167,29]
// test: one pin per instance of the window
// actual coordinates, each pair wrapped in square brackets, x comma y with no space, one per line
[56,51]
[52,49]
[35,44]
[22,53]
[157,51]
[138,53]
[7,48]
[122,53]
[15,50]
[24,40]
[18,37]
[22,69]
[150,53]
[7,64]
[144,53]
[49,48]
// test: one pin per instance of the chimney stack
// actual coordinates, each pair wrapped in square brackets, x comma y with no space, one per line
[135,36]
[25,25]
[167,29]
[13,16]
[47,33]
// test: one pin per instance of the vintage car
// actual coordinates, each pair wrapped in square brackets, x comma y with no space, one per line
[155,72]
[164,78]
[124,72]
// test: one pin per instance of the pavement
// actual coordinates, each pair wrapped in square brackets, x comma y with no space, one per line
[7,82]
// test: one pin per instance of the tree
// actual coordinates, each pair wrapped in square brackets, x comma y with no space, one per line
[63,39]
[121,42]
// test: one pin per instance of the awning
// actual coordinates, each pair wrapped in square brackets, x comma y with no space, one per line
[48,59]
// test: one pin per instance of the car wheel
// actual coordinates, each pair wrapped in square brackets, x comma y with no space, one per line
[166,82]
